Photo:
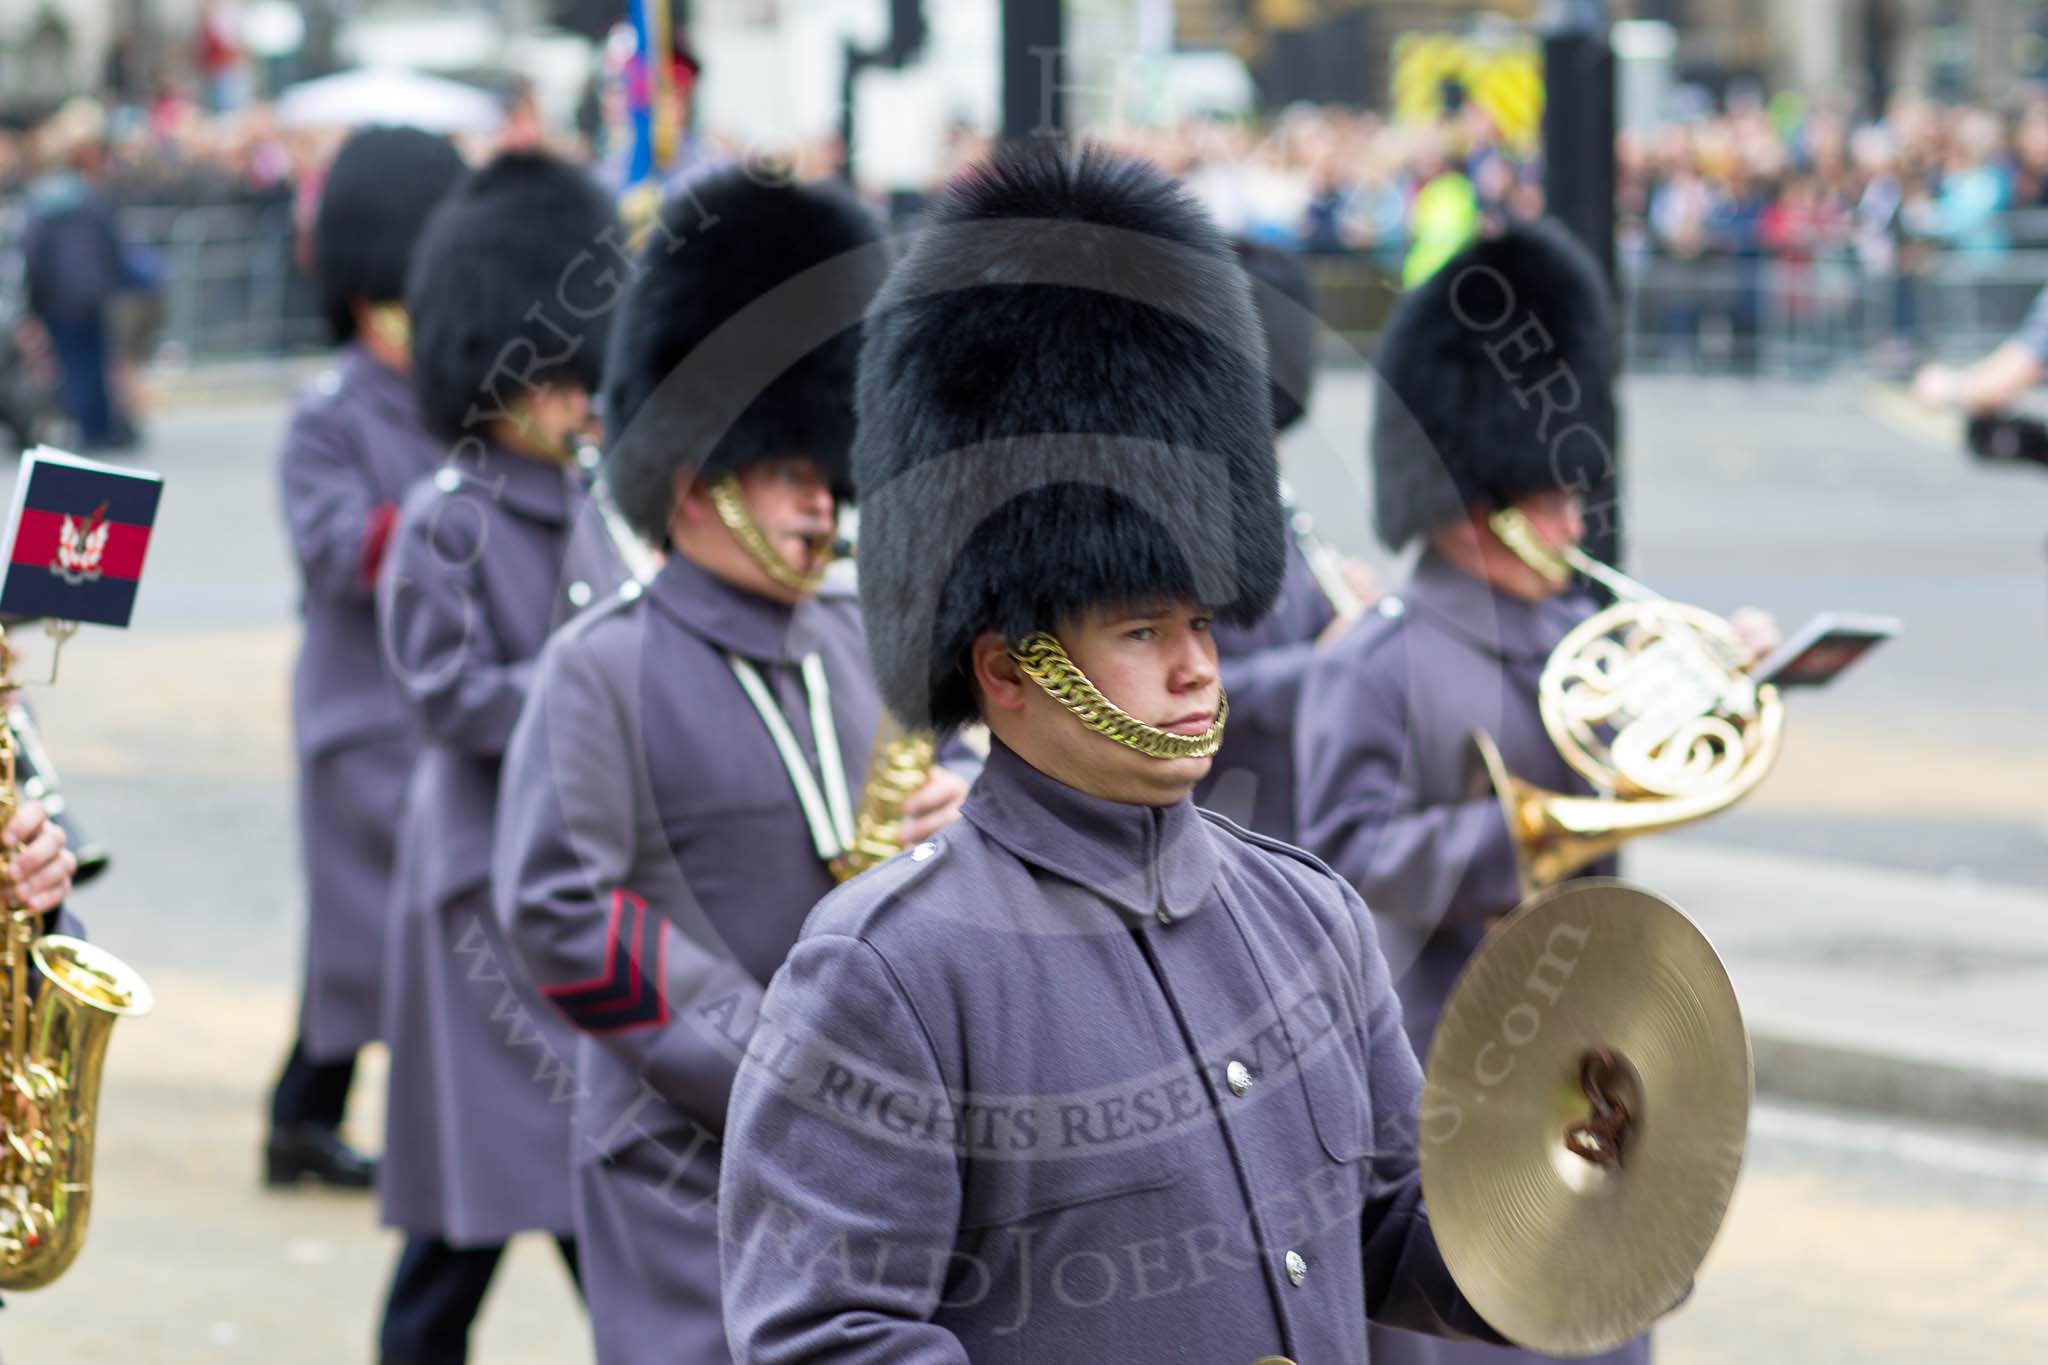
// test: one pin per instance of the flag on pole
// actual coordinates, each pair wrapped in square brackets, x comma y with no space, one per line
[76,538]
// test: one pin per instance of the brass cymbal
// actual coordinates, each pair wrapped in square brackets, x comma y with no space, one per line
[1584,1116]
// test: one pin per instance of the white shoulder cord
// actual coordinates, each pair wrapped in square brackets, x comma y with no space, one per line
[828,812]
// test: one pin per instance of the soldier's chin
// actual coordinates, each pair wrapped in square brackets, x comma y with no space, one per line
[1171,778]
[805,554]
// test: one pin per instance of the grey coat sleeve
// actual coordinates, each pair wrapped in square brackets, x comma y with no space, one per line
[1407,1283]
[594,905]
[1416,861]
[837,1231]
[437,631]
[338,525]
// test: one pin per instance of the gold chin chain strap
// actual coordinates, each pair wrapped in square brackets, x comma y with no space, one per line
[1047,664]
[392,324]
[1513,530]
[731,504]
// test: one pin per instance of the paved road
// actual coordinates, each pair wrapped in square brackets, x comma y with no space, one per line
[172,739]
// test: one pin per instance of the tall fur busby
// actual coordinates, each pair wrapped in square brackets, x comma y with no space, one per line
[1495,381]
[739,338]
[379,190]
[1286,299]
[1063,404]
[508,289]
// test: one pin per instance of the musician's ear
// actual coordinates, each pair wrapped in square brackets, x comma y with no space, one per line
[692,496]
[997,679]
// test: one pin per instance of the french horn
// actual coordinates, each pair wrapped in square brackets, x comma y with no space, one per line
[1649,700]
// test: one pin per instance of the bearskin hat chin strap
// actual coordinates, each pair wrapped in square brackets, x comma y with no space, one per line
[392,325]
[1511,527]
[1047,664]
[730,502]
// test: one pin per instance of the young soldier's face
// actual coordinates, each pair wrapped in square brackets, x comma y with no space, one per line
[548,420]
[1156,661]
[792,504]
[1557,517]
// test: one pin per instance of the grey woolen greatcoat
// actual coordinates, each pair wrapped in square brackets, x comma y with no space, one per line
[1262,665]
[486,559]
[653,869]
[1075,1081]
[354,446]
[1388,797]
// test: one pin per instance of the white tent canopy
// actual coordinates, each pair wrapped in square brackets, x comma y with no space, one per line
[389,95]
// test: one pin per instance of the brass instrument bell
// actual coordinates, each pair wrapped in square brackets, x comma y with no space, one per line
[1649,701]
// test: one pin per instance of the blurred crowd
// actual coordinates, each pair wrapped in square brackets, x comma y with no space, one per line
[1777,178]
[1724,218]
[1742,218]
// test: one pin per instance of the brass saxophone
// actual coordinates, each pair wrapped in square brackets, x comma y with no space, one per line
[899,763]
[53,1048]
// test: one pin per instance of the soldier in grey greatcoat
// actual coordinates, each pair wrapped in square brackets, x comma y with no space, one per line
[509,293]
[1252,780]
[1495,391]
[680,782]
[354,447]
[1091,1074]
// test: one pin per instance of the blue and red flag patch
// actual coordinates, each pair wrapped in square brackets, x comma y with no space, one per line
[77,538]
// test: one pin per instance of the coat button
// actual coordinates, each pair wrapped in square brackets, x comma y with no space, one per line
[1391,607]
[1240,1077]
[1297,1269]
[1164,915]
[579,593]
[923,852]
[447,480]
[630,589]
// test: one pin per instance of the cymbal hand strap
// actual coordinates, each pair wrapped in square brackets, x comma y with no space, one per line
[1599,1139]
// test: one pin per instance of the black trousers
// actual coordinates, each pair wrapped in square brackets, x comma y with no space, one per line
[311,1092]
[435,1294]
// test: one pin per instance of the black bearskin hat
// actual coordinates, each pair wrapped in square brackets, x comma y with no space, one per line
[379,190]
[511,285]
[714,363]
[1063,403]
[1495,381]
[1286,299]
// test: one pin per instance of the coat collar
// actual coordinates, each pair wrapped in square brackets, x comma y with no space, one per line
[1148,861]
[1494,623]
[534,488]
[749,625]
[380,386]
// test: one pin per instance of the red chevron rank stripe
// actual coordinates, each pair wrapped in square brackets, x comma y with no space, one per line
[623,996]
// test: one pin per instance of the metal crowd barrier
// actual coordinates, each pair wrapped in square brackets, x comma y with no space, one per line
[1761,315]
[231,289]
[1797,317]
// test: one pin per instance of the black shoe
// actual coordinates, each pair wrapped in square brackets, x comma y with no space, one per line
[303,1151]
